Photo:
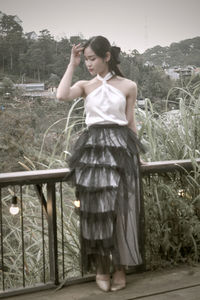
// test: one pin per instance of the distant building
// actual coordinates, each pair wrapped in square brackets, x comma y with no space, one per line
[148,64]
[180,72]
[18,20]
[165,65]
[31,35]
[30,87]
[187,71]
[171,72]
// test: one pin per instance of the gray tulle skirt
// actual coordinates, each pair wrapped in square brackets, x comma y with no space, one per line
[105,169]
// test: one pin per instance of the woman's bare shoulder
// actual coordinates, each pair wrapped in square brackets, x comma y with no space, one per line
[129,86]
[81,83]
[85,83]
[128,82]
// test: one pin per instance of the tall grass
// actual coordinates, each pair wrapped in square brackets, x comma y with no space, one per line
[172,201]
[174,134]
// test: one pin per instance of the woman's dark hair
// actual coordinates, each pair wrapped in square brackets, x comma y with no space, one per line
[100,45]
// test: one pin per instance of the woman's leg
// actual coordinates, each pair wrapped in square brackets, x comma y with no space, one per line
[103,273]
[103,264]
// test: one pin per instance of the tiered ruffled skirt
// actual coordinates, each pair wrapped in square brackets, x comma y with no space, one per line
[105,170]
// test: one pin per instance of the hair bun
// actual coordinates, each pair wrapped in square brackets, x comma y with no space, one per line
[115,51]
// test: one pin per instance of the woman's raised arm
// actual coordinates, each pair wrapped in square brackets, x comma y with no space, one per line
[65,91]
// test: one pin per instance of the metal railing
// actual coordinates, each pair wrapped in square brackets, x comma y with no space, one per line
[40,246]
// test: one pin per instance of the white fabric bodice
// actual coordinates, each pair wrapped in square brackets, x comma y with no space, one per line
[106,104]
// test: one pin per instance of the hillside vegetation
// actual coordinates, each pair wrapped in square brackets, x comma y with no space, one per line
[186,52]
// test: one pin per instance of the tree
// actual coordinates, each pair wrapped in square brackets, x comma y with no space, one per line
[61,56]
[3,53]
[8,25]
[155,84]
[11,40]
[47,46]
[35,61]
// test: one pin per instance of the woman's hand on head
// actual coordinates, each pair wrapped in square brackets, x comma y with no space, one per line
[76,55]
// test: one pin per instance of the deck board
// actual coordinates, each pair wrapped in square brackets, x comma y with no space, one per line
[177,283]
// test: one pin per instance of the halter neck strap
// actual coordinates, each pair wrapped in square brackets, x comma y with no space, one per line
[105,78]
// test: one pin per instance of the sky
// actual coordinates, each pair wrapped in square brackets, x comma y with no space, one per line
[129,24]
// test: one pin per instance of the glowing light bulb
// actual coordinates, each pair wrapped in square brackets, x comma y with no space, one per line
[181,193]
[77,203]
[14,209]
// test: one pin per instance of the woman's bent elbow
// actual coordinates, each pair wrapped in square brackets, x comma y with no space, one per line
[61,97]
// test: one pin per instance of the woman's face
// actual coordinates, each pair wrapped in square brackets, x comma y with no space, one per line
[94,63]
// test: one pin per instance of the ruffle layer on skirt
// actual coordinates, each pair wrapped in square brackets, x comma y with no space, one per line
[105,170]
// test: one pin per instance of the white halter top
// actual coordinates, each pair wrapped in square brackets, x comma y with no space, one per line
[106,104]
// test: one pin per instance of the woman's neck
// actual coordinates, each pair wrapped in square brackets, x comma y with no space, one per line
[104,73]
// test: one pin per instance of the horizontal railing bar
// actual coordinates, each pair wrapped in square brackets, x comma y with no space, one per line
[168,166]
[27,290]
[33,177]
[40,176]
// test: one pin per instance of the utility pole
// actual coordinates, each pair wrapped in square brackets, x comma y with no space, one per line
[146,34]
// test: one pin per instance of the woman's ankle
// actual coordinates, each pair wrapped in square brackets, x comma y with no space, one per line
[119,276]
[103,276]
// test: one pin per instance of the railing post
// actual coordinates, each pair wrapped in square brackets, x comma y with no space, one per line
[52,228]
[1,238]
[142,224]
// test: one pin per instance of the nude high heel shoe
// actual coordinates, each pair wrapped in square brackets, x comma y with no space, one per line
[103,282]
[118,286]
[118,281]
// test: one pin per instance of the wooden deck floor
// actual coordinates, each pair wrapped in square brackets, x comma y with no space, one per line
[182,283]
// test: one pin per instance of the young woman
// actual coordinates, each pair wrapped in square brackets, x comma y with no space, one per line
[105,163]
